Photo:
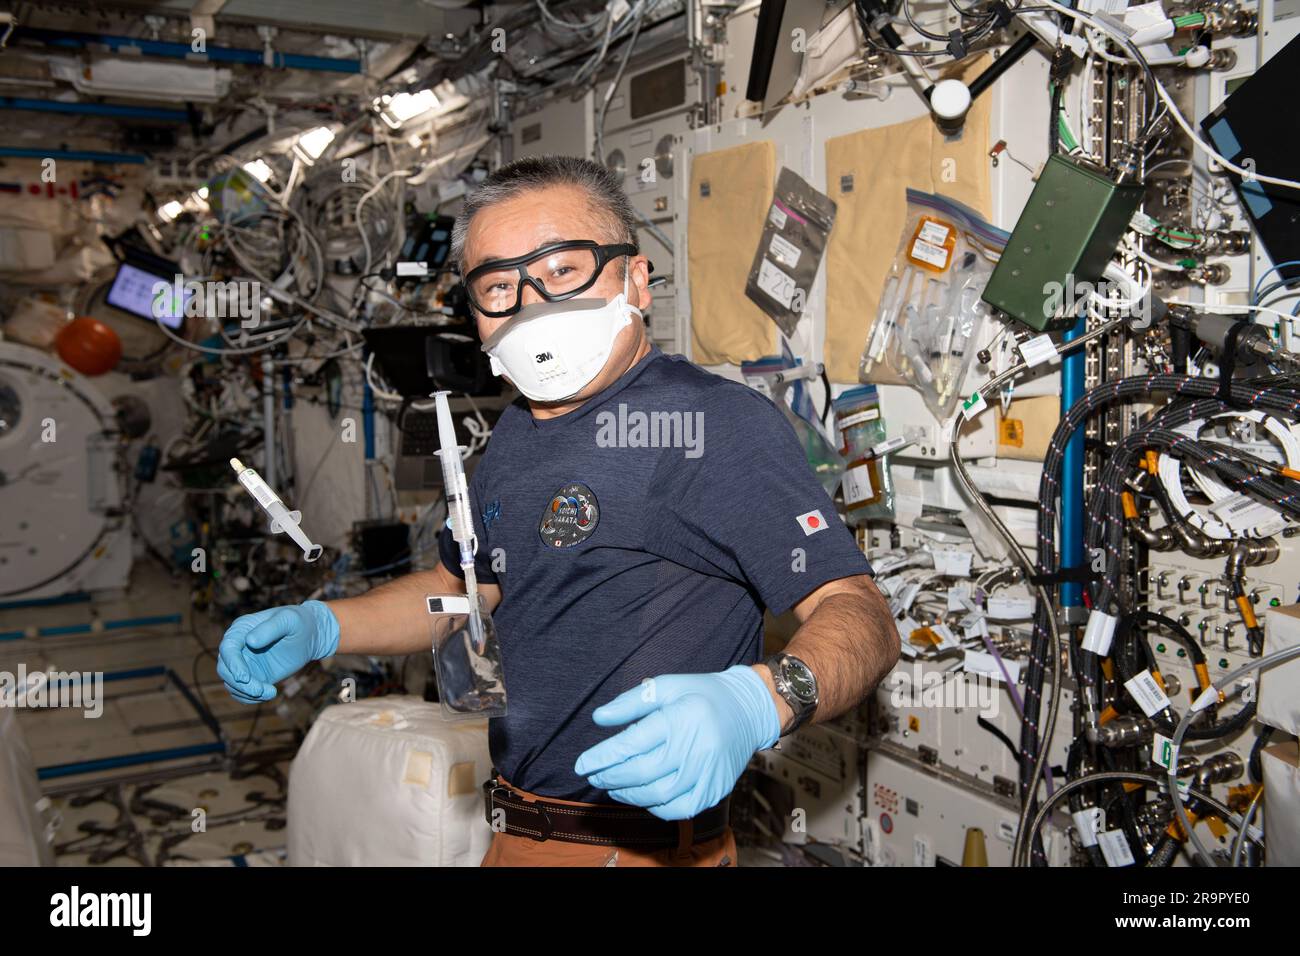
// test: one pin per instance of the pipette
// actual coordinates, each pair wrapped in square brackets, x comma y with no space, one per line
[282,519]
[459,515]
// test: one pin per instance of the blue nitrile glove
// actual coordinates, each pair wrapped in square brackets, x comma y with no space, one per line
[695,735]
[260,649]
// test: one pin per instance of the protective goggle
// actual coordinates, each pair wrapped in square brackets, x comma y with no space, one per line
[558,271]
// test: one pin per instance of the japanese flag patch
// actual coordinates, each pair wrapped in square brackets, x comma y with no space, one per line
[812,522]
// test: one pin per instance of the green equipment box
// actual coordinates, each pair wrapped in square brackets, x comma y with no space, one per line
[1069,228]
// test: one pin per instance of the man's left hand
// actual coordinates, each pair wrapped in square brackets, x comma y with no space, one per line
[693,737]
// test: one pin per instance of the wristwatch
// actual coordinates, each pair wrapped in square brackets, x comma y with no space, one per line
[797,685]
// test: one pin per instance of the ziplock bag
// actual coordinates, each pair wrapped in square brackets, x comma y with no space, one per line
[931,316]
[470,679]
[790,250]
[868,486]
[826,463]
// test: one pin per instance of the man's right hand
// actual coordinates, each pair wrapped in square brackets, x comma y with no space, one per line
[260,649]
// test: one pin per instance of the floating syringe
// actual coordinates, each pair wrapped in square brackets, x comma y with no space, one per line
[282,519]
[459,515]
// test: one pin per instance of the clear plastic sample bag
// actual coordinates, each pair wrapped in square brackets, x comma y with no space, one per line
[931,316]
[868,485]
[470,680]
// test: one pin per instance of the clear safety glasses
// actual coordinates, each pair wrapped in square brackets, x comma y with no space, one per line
[557,271]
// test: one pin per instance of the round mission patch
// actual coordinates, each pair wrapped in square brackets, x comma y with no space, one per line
[570,517]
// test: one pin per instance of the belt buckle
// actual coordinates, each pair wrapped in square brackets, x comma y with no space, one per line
[545,826]
[490,791]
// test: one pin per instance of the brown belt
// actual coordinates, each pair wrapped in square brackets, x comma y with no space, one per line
[509,812]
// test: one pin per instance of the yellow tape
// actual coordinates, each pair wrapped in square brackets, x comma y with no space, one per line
[1202,679]
[1247,611]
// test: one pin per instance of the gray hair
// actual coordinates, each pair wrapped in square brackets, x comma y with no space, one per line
[608,202]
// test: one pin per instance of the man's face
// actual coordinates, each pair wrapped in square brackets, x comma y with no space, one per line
[541,216]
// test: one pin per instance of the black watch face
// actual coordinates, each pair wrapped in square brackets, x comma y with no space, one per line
[801,681]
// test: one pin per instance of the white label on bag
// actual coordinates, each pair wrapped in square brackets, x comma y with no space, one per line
[784,251]
[775,283]
[936,256]
[777,215]
[857,485]
[934,232]
[448,604]
[1038,350]
[1147,693]
[857,418]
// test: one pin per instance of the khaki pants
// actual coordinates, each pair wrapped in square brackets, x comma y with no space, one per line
[510,850]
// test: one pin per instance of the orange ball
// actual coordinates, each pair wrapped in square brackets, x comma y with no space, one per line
[89,346]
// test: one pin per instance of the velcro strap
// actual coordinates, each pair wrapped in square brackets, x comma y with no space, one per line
[1079,575]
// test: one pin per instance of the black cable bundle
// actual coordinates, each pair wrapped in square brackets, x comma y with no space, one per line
[1105,515]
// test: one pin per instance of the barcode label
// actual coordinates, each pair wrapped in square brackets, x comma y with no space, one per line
[1147,693]
[1239,512]
[1114,847]
[1231,507]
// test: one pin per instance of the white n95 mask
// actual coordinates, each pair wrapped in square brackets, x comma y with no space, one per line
[551,351]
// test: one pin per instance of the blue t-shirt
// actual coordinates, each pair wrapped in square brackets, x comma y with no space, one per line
[641,534]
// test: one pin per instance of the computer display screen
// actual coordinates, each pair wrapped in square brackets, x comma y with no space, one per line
[133,291]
